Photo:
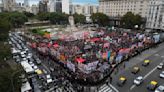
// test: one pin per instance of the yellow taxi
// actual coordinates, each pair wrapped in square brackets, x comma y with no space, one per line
[38,71]
[135,70]
[152,85]
[146,62]
[121,81]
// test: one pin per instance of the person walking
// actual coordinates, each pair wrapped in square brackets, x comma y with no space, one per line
[111,79]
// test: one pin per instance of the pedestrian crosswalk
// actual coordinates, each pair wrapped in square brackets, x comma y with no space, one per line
[105,88]
[65,89]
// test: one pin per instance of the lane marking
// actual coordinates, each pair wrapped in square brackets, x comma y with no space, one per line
[113,87]
[156,55]
[150,72]
[162,56]
[133,86]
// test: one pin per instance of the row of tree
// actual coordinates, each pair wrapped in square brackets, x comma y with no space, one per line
[7,74]
[16,19]
[60,18]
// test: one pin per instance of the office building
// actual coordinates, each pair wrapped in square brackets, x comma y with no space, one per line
[155,19]
[117,8]
[59,6]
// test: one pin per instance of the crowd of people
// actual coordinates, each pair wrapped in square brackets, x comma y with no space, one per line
[93,57]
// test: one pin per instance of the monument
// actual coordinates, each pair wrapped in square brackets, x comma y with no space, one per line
[71,21]
[71,26]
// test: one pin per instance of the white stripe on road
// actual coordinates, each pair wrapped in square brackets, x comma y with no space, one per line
[133,86]
[113,87]
[149,73]
[104,88]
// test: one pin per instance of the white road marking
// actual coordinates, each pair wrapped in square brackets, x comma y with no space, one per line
[162,56]
[156,55]
[150,72]
[132,87]
[113,87]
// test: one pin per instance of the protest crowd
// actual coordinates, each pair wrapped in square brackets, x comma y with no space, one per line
[93,56]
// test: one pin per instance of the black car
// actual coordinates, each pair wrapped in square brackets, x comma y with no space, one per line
[135,70]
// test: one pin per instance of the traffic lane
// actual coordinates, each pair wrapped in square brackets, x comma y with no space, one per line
[153,76]
[130,77]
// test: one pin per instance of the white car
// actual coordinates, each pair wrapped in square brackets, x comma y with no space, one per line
[160,89]
[138,80]
[160,66]
[161,75]
[49,79]
[35,67]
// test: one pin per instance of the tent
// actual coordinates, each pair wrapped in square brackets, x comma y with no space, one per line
[95,39]
[56,45]
[80,60]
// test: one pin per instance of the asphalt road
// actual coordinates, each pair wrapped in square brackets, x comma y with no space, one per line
[149,72]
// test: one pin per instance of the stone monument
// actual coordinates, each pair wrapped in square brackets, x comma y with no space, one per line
[71,27]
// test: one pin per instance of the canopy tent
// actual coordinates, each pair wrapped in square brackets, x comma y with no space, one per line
[124,51]
[106,45]
[80,60]
[56,45]
[95,39]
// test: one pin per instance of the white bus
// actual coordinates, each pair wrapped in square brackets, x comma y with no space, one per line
[27,67]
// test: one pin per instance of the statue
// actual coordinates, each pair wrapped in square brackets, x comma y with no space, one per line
[71,21]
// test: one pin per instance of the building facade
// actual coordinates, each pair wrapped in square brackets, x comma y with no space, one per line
[8,5]
[155,19]
[117,8]
[26,3]
[34,9]
[43,6]
[86,9]
[59,6]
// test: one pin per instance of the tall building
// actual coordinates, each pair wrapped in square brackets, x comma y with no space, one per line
[155,19]
[19,7]
[8,5]
[34,9]
[43,6]
[77,9]
[86,9]
[66,6]
[59,6]
[26,3]
[117,8]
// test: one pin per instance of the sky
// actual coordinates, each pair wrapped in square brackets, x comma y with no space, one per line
[74,1]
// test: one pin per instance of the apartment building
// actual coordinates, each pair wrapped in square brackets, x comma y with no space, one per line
[117,8]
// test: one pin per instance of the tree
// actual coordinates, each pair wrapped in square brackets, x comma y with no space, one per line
[100,19]
[17,19]
[43,16]
[28,14]
[79,18]
[129,20]
[58,18]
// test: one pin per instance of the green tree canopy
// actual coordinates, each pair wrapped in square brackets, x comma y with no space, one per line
[58,18]
[129,20]
[17,19]
[43,16]
[28,14]
[79,18]
[100,19]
